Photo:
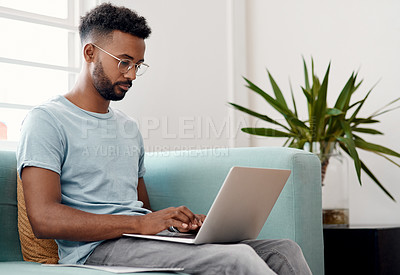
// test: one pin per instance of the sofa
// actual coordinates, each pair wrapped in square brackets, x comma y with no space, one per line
[193,178]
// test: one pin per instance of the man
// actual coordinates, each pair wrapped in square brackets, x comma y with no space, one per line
[86,199]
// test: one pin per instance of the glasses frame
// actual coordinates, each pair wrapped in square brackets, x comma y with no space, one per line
[137,66]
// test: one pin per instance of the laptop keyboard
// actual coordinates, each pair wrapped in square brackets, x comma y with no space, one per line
[177,235]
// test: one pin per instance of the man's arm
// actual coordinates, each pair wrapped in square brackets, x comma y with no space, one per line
[51,219]
[142,194]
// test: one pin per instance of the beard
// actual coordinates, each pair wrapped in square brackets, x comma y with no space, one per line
[105,87]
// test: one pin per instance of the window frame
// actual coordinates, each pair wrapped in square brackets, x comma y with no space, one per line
[70,24]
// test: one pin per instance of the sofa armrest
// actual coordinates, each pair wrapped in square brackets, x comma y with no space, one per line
[9,239]
[193,178]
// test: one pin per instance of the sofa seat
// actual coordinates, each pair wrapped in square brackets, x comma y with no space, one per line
[29,268]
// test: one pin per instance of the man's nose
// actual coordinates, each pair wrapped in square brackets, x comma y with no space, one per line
[131,74]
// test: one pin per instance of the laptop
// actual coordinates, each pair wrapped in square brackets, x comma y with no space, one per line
[239,210]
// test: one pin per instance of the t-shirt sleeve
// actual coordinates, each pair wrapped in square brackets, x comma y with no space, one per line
[41,142]
[142,168]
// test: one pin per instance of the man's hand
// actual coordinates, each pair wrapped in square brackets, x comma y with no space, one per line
[200,218]
[179,217]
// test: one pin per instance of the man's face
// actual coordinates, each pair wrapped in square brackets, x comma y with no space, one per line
[109,82]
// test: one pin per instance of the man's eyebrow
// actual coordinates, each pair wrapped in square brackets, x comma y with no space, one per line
[130,57]
[127,56]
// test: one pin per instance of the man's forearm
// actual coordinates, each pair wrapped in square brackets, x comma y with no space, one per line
[66,223]
[50,219]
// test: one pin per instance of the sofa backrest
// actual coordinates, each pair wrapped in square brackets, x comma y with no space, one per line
[9,240]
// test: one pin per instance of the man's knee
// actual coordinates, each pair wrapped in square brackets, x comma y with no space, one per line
[287,245]
[287,250]
[242,252]
[239,259]
[288,258]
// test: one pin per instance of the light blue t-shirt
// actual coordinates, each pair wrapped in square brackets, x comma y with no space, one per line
[99,158]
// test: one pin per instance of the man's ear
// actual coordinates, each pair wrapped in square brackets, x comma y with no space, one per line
[88,53]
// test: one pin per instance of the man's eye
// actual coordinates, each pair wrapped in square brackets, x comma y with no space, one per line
[125,63]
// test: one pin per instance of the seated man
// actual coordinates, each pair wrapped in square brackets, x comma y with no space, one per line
[81,164]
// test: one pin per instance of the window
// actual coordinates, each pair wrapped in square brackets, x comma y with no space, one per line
[39,56]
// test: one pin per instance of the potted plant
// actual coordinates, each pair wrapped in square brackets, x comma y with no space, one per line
[326,128]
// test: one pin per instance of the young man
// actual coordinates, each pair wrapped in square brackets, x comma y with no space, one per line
[86,199]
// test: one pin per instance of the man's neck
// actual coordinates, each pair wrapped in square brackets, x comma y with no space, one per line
[85,96]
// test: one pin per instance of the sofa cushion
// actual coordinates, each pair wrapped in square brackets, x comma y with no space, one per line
[33,249]
[9,241]
[23,268]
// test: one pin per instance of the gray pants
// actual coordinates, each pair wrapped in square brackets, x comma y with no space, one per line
[247,257]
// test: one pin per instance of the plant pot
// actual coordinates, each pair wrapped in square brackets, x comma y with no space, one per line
[335,188]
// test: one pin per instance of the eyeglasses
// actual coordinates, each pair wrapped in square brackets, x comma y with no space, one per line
[125,65]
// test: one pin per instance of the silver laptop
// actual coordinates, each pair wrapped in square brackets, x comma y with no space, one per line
[240,209]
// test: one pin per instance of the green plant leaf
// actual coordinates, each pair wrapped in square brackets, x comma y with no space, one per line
[307,82]
[287,114]
[299,144]
[333,117]
[274,103]
[278,94]
[286,142]
[358,121]
[390,160]
[294,102]
[334,112]
[320,105]
[267,132]
[308,96]
[257,115]
[315,87]
[353,116]
[375,147]
[370,174]
[386,111]
[387,105]
[296,122]
[315,80]
[367,131]
[353,154]
[345,95]
[348,141]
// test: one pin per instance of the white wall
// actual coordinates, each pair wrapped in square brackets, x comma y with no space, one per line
[199,50]
[181,102]
[354,35]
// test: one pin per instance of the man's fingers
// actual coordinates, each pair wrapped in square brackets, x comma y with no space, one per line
[188,213]
[195,220]
[189,221]
[182,227]
[183,214]
[178,219]
[200,218]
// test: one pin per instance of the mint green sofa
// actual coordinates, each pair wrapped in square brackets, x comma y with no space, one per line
[193,178]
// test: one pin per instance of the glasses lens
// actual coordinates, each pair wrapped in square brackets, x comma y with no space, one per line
[141,68]
[125,65]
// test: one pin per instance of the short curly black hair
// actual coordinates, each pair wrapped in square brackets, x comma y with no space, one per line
[105,18]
